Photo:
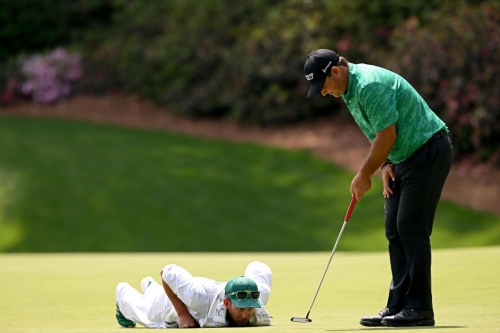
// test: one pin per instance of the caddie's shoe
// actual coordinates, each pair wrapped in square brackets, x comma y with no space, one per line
[122,321]
[410,317]
[376,320]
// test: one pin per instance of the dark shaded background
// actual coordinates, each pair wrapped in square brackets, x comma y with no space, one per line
[243,60]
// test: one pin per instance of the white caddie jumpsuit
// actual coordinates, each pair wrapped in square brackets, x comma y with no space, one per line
[202,297]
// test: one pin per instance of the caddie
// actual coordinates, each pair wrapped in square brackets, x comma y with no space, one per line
[185,301]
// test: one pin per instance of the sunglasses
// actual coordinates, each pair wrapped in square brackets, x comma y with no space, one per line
[245,294]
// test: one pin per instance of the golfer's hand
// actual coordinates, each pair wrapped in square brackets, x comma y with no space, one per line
[359,185]
[187,321]
[387,175]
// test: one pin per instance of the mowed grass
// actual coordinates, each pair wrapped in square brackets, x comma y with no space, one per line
[59,293]
[79,187]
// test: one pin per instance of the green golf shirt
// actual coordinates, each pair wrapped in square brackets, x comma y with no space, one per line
[378,98]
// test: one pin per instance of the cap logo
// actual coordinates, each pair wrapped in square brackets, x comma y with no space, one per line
[309,77]
[324,69]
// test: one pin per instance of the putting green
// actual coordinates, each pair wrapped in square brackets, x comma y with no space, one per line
[75,292]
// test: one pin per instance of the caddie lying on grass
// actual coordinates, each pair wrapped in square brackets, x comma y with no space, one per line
[185,301]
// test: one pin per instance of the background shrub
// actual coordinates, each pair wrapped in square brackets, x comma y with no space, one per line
[50,77]
[9,83]
[452,61]
[33,26]
[244,60]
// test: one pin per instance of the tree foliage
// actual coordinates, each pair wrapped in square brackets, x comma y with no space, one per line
[453,61]
[244,59]
[32,26]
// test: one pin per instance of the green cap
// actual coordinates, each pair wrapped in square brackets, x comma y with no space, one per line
[242,284]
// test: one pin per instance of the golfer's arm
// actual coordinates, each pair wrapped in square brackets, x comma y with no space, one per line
[179,306]
[380,149]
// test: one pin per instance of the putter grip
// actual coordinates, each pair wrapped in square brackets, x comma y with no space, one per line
[351,207]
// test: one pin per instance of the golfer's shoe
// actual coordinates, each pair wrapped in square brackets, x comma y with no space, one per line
[145,283]
[376,320]
[122,321]
[410,317]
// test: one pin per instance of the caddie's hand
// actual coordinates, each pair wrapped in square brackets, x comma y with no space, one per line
[359,185]
[387,175]
[187,321]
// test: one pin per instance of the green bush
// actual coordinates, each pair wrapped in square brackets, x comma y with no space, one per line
[243,59]
[9,82]
[33,26]
[238,59]
[30,25]
[207,58]
[453,61]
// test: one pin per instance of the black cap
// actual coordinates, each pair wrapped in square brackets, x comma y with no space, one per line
[318,65]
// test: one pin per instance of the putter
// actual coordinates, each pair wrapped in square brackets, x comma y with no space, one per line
[347,216]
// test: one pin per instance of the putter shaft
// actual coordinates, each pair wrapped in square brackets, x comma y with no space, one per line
[347,216]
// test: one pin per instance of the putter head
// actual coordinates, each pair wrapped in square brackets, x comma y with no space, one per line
[300,320]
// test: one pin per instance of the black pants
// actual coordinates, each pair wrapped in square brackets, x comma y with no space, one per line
[409,217]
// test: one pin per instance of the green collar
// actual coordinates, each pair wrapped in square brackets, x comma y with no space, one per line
[349,95]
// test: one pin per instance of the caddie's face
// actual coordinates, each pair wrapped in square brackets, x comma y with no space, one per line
[334,84]
[239,316]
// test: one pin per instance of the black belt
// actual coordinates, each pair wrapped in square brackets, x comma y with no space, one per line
[439,135]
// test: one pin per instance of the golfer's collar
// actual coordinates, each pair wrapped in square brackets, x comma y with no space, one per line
[349,94]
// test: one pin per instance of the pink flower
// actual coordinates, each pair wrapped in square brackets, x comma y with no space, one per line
[6,96]
[343,46]
[49,77]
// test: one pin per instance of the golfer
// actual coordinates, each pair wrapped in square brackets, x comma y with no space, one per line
[411,146]
[185,301]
